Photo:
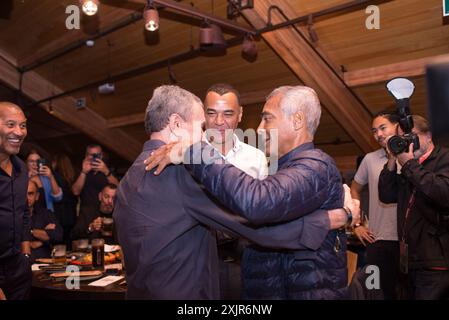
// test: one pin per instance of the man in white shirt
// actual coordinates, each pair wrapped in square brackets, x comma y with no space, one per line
[223,113]
[381,236]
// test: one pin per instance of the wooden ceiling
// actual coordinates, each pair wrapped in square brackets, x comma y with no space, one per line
[409,30]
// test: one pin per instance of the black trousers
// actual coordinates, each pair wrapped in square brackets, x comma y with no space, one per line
[385,255]
[428,284]
[15,277]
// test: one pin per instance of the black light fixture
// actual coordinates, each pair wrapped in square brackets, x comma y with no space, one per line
[211,36]
[151,17]
[89,7]
[249,48]
[235,7]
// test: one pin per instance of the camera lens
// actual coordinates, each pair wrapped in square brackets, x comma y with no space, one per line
[397,145]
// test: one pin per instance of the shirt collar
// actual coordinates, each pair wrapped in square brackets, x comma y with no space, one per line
[303,147]
[382,153]
[17,166]
[426,155]
[237,145]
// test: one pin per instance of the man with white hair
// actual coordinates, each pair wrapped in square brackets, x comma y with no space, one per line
[307,179]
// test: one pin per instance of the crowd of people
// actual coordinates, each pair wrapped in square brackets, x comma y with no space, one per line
[44,202]
[167,218]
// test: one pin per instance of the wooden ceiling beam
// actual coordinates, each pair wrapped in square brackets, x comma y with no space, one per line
[247,98]
[410,68]
[313,71]
[86,120]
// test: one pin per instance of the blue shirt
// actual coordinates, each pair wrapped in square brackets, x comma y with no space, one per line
[49,197]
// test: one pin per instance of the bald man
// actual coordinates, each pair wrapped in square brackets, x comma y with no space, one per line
[15,234]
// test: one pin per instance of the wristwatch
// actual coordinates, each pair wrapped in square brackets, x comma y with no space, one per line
[26,255]
[349,213]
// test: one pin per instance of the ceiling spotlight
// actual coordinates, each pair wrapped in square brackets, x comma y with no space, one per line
[249,47]
[206,35]
[90,7]
[211,36]
[151,17]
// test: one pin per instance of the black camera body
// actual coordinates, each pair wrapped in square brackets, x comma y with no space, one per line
[399,144]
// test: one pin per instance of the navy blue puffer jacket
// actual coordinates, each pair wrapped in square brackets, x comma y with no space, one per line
[307,179]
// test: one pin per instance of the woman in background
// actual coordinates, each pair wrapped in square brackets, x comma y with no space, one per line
[65,210]
[41,174]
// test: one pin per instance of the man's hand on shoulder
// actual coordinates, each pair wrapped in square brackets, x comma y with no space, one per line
[163,156]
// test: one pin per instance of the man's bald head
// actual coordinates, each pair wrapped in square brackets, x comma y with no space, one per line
[5,106]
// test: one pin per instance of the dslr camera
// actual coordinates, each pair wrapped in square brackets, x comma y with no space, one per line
[402,89]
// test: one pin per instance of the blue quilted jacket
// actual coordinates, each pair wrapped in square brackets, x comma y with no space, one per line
[307,179]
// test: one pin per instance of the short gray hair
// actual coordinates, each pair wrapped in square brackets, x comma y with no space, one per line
[167,100]
[300,99]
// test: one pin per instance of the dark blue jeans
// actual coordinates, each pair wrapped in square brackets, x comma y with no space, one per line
[429,284]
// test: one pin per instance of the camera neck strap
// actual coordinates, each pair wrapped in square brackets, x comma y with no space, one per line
[410,204]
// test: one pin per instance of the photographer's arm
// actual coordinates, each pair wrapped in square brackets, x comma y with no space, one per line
[433,184]
[388,185]
[112,179]
[78,185]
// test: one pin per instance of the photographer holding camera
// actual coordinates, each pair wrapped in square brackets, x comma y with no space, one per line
[422,192]
[94,175]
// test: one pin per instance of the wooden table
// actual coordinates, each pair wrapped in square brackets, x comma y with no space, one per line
[43,287]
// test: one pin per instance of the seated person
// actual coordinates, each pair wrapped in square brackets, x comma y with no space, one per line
[91,221]
[45,229]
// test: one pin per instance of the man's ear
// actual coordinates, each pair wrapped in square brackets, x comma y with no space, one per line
[175,123]
[99,195]
[240,113]
[299,120]
[37,195]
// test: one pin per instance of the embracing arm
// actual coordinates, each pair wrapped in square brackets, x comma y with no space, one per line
[289,194]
